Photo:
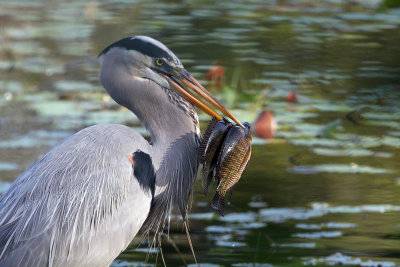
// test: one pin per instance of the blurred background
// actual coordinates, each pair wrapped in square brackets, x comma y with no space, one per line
[319,81]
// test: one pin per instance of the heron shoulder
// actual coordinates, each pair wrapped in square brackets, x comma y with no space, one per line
[107,135]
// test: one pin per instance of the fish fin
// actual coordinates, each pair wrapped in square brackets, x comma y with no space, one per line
[205,137]
[247,159]
[218,203]
[204,177]
[218,164]
[210,177]
[207,176]
[245,167]
[230,191]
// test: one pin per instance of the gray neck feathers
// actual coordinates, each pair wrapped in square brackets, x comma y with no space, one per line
[163,113]
[174,181]
[173,125]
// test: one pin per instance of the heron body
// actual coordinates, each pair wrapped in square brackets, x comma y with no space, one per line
[84,201]
[83,194]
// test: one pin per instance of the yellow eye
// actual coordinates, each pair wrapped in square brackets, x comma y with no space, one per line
[159,62]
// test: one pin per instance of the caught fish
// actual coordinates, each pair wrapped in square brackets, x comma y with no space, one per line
[209,148]
[232,161]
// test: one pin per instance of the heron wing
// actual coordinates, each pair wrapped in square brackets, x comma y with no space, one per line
[79,205]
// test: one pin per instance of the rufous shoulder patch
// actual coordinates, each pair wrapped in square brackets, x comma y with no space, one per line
[129,156]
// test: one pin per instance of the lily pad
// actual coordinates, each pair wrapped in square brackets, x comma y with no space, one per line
[230,244]
[349,152]
[66,85]
[9,166]
[337,168]
[147,250]
[329,225]
[297,245]
[340,259]
[202,216]
[238,217]
[218,229]
[318,235]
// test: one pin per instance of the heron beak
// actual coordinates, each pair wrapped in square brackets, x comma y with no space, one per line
[189,88]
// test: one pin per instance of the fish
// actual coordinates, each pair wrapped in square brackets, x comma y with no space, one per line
[209,149]
[205,138]
[233,159]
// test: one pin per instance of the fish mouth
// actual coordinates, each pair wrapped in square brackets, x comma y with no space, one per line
[191,90]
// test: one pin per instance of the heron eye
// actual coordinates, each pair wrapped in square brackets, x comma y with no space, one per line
[159,62]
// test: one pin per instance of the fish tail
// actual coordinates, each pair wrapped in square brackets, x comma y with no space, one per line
[218,203]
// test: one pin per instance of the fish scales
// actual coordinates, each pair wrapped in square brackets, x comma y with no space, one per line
[218,202]
[232,161]
[205,138]
[231,167]
[211,146]
[229,158]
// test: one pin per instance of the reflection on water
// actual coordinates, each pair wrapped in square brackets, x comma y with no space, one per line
[323,192]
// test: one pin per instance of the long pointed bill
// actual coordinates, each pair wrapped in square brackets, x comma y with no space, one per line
[185,78]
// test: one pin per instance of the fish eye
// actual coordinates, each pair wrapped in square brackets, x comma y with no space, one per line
[159,62]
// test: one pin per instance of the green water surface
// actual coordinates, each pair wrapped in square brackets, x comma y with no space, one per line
[324,191]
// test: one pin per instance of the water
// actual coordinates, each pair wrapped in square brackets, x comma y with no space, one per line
[324,191]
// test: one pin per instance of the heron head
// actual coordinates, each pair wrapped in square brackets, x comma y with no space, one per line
[146,58]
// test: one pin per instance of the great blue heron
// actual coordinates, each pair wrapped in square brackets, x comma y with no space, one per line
[84,201]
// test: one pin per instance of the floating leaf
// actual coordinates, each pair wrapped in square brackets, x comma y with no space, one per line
[238,217]
[218,229]
[317,235]
[350,152]
[337,168]
[8,166]
[230,244]
[253,264]
[80,86]
[147,250]
[329,225]
[340,259]
[297,245]
[202,216]
[280,215]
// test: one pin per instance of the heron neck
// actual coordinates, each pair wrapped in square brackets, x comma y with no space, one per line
[164,114]
[167,117]
[173,125]
[175,139]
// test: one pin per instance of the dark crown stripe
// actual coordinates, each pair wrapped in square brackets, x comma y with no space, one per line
[144,45]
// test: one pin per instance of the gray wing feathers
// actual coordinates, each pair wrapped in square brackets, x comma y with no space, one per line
[73,195]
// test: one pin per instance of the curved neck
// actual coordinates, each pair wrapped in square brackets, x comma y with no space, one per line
[164,114]
[174,128]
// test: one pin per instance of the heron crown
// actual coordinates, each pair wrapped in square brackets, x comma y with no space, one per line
[147,46]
